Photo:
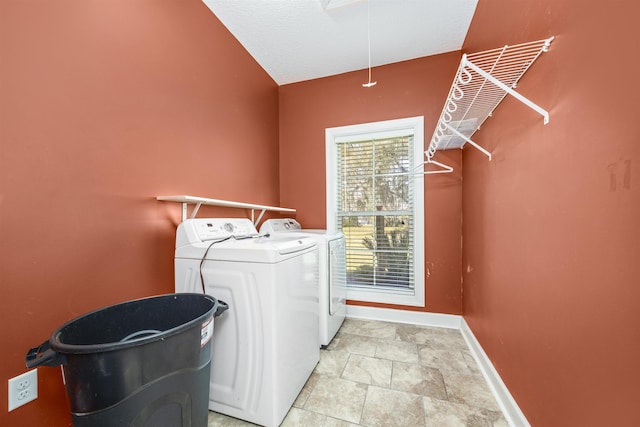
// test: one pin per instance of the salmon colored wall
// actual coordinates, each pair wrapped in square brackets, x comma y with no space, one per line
[551,232]
[412,88]
[103,106]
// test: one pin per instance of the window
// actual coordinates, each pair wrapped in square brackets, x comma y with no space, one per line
[377,202]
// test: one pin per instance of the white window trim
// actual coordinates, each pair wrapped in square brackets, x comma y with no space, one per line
[340,133]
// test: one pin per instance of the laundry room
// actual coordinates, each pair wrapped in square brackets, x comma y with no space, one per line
[532,251]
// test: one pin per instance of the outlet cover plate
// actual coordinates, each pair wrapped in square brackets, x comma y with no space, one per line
[23,389]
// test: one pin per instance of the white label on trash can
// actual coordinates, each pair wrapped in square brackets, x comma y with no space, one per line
[206,332]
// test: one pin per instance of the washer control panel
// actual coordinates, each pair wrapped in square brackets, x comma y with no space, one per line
[220,228]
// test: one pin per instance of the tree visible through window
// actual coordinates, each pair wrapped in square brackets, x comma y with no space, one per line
[375,210]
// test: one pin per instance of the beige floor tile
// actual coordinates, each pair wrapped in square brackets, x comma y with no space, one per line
[357,344]
[414,333]
[337,398]
[445,360]
[306,390]
[398,350]
[369,328]
[471,363]
[299,417]
[219,420]
[441,413]
[417,379]
[368,370]
[447,339]
[304,418]
[501,422]
[334,422]
[471,390]
[332,363]
[390,408]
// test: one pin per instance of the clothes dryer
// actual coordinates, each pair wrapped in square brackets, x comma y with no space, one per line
[265,346]
[332,272]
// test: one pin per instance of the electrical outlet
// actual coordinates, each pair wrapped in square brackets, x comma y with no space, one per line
[23,389]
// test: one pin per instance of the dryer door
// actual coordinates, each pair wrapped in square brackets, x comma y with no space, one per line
[337,274]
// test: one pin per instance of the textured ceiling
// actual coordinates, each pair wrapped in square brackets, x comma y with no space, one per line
[296,40]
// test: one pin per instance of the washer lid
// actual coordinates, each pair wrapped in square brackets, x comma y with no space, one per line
[292,227]
[287,245]
[329,235]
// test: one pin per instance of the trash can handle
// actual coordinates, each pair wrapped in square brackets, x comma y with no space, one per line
[44,356]
[222,307]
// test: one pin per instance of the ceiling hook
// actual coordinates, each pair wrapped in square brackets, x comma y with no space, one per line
[369,83]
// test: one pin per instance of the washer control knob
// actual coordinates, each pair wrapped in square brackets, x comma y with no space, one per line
[228,227]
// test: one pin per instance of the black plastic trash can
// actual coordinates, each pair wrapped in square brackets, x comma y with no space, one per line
[145,362]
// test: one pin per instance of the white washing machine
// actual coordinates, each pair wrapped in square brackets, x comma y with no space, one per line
[265,346]
[332,270]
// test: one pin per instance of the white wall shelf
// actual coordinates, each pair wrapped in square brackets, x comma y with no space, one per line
[199,201]
[482,81]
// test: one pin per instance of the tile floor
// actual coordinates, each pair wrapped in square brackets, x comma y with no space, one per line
[390,374]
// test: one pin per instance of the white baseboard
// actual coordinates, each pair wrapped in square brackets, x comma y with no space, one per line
[450,321]
[507,404]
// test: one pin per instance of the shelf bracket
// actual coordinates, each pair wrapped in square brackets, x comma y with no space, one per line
[510,91]
[455,132]
[184,211]
[256,221]
[195,209]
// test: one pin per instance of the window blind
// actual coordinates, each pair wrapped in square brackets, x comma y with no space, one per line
[375,210]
